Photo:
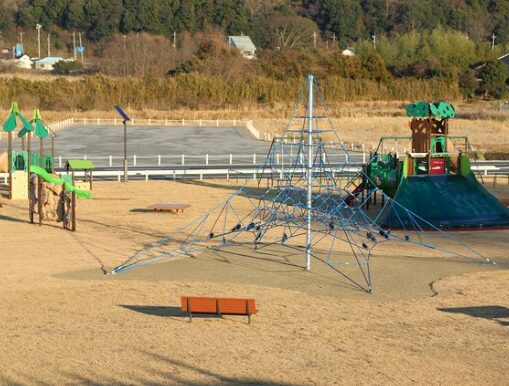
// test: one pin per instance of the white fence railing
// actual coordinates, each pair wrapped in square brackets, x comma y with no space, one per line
[248,124]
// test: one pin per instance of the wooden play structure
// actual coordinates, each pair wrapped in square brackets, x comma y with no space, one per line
[31,174]
[218,306]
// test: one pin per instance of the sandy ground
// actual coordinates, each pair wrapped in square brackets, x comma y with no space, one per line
[430,320]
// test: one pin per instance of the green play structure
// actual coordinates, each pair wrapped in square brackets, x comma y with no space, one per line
[434,179]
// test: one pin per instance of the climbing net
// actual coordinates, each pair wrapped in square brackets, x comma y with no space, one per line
[315,202]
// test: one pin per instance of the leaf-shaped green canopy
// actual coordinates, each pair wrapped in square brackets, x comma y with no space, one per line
[40,129]
[27,126]
[440,110]
[10,124]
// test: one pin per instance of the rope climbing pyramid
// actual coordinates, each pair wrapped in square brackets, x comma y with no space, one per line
[314,203]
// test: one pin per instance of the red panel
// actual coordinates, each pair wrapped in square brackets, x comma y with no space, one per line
[437,166]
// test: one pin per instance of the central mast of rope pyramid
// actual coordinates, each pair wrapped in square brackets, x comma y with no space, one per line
[309,176]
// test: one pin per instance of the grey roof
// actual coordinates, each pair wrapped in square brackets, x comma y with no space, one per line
[50,59]
[243,43]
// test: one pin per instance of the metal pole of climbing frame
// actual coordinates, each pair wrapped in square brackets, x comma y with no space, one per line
[310,170]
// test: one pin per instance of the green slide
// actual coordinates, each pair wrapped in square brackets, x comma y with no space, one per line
[447,201]
[58,181]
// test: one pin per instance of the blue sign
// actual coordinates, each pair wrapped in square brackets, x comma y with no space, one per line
[18,51]
[80,49]
[122,113]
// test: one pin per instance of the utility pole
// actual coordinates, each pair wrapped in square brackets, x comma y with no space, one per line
[49,46]
[81,46]
[38,28]
[374,41]
[125,55]
[493,37]
[74,46]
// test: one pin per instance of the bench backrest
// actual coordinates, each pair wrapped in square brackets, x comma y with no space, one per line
[227,306]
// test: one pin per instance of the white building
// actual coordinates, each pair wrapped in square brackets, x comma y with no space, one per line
[48,63]
[244,45]
[24,62]
[348,52]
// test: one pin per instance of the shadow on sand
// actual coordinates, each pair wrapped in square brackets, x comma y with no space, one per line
[166,311]
[486,312]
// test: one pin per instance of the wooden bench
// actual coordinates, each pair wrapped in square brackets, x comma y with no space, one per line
[218,306]
[168,207]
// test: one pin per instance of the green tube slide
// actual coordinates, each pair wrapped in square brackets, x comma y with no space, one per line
[58,181]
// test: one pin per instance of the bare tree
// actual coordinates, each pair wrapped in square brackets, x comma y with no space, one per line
[290,32]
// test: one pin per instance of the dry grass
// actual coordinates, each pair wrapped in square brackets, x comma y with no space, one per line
[63,322]
[361,122]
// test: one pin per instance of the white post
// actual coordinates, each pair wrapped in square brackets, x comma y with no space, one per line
[206,159]
[159,160]
[217,122]
[149,121]
[134,160]
[183,158]
[59,161]
[111,160]
[182,122]
[310,170]
[200,122]
[231,159]
[234,122]
[85,156]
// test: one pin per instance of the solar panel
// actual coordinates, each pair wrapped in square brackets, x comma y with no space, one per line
[122,113]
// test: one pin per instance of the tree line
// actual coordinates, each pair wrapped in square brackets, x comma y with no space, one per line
[345,20]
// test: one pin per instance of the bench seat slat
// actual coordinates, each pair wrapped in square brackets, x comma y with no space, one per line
[227,306]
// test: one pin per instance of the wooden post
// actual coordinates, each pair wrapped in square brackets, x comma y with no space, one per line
[91,178]
[9,160]
[52,153]
[73,211]
[39,181]
[29,155]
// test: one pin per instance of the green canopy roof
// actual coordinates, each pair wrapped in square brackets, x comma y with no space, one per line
[80,164]
[440,110]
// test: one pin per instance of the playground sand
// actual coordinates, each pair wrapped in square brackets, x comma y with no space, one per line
[429,320]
